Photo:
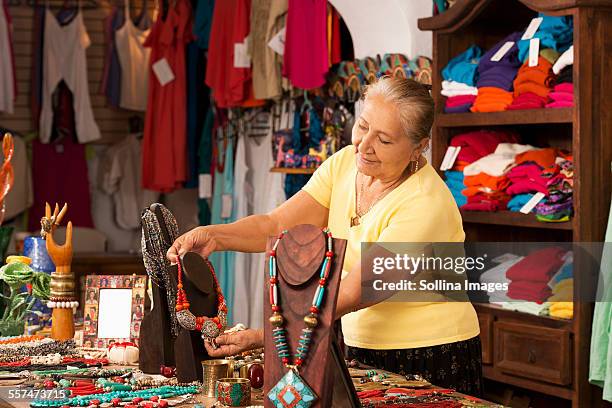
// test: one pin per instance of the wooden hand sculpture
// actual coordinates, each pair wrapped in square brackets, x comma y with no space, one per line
[62,280]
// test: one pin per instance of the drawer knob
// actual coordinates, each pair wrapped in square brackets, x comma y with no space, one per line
[531,357]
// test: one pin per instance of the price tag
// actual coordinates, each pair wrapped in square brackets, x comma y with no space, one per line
[204,186]
[226,205]
[534,52]
[449,157]
[163,72]
[532,203]
[277,43]
[241,56]
[502,51]
[532,28]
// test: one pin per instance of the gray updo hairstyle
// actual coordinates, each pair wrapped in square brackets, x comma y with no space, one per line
[413,101]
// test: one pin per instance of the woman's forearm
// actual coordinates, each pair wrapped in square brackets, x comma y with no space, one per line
[248,234]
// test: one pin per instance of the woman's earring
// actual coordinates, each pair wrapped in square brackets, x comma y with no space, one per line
[416,166]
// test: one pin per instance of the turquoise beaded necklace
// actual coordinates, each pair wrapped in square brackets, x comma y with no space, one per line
[166,391]
[292,391]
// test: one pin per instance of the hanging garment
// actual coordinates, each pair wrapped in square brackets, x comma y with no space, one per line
[267,19]
[64,59]
[21,196]
[256,191]
[231,85]
[306,58]
[223,213]
[7,62]
[164,158]
[600,370]
[134,60]
[120,177]
[110,86]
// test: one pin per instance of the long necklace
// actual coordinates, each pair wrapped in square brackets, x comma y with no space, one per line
[210,327]
[292,391]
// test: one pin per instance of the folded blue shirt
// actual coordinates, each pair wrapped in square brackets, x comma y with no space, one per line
[553,32]
[463,67]
[518,201]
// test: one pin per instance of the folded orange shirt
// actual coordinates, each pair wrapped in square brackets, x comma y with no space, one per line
[485,180]
[460,165]
[491,99]
[543,66]
[543,157]
[533,87]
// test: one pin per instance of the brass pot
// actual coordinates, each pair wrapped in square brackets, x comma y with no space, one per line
[214,370]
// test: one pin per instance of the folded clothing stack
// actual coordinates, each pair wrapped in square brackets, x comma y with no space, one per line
[460,79]
[474,145]
[495,78]
[486,179]
[530,86]
[530,276]
[497,274]
[454,182]
[562,95]
[558,205]
[527,177]
[554,32]
[560,304]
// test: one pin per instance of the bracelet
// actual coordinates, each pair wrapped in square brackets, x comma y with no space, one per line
[62,304]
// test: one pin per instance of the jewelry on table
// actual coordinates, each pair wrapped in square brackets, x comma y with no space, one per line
[292,391]
[234,392]
[209,327]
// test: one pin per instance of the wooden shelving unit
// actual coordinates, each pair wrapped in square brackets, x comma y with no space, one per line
[535,353]
[287,170]
[511,218]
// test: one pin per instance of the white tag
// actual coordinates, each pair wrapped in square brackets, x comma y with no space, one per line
[502,51]
[241,56]
[455,154]
[534,52]
[163,72]
[205,186]
[529,205]
[450,152]
[277,43]
[532,28]
[226,205]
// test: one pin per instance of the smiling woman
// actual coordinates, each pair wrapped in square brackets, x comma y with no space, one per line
[379,189]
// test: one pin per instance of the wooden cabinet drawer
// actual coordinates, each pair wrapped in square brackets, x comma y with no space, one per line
[535,352]
[485,320]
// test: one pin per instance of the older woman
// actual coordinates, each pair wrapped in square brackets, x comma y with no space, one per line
[380,189]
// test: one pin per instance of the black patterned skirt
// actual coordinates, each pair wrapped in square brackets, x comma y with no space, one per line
[453,365]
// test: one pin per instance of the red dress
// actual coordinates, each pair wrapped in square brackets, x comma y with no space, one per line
[164,150]
[230,25]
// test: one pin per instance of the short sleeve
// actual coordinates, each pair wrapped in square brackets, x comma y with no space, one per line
[320,184]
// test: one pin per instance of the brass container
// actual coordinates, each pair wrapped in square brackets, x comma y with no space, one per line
[214,370]
[62,285]
[233,392]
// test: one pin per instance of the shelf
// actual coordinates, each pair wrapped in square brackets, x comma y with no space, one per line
[511,218]
[520,117]
[287,170]
[544,321]
[491,373]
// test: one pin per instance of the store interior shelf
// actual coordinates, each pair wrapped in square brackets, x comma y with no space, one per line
[517,117]
[526,318]
[288,170]
[511,218]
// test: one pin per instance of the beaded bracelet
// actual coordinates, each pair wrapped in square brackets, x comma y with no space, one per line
[62,304]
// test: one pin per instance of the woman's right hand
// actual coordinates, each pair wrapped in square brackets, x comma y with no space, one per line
[199,240]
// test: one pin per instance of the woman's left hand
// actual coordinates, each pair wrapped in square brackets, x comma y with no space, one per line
[235,343]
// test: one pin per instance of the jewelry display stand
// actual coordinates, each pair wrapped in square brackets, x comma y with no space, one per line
[299,257]
[157,345]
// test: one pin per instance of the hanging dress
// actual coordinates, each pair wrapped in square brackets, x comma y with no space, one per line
[223,186]
[134,61]
[7,63]
[256,191]
[64,59]
[164,157]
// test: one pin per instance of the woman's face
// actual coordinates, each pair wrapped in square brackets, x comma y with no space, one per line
[383,151]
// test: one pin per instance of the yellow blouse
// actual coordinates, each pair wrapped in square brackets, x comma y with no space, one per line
[421,209]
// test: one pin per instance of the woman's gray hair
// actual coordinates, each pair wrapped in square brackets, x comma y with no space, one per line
[413,101]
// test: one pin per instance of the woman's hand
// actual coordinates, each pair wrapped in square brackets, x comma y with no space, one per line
[199,240]
[234,343]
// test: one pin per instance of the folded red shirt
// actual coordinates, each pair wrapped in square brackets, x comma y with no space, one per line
[526,290]
[479,143]
[538,266]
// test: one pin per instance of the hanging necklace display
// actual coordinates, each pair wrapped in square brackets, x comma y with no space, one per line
[210,327]
[154,247]
[292,391]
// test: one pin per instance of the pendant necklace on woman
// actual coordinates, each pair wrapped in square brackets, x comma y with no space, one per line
[291,391]
[356,220]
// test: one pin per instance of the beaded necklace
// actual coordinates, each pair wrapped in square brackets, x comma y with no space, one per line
[209,327]
[292,391]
